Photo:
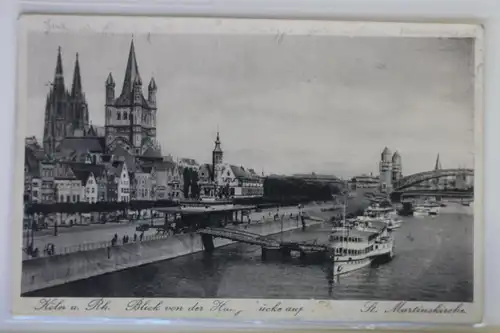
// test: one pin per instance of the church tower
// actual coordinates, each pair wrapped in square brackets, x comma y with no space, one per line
[56,110]
[385,169]
[397,167]
[78,104]
[437,166]
[65,112]
[130,119]
[439,182]
[217,158]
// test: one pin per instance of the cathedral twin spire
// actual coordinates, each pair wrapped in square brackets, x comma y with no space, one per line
[65,111]
[76,87]
[58,84]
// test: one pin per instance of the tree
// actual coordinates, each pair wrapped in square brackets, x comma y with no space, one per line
[186,174]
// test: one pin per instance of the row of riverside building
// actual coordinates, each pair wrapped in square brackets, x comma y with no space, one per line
[121,161]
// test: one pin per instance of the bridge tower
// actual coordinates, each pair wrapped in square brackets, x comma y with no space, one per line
[385,169]
[397,167]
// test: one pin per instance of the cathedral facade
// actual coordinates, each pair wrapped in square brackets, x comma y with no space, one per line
[65,111]
[130,118]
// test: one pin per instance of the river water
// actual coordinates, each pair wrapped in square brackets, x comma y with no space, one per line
[434,262]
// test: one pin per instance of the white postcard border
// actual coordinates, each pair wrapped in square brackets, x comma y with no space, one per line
[248,309]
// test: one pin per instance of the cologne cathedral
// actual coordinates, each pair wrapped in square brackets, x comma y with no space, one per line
[130,117]
[65,111]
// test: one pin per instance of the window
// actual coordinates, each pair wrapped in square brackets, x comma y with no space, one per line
[124,115]
[118,116]
[61,198]
[93,189]
[74,198]
[68,199]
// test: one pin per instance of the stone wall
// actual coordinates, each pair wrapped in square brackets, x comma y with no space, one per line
[51,271]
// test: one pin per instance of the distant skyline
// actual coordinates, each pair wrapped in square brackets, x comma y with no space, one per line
[299,104]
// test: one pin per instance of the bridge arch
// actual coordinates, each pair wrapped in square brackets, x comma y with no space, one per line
[416,178]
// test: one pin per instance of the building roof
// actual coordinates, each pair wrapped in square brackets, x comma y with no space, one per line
[151,153]
[208,167]
[122,154]
[116,168]
[317,177]
[396,158]
[145,168]
[132,78]
[164,165]
[83,144]
[217,148]
[188,161]
[131,72]
[242,173]
[96,169]
[82,175]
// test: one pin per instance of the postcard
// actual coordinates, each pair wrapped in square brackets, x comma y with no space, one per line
[248,169]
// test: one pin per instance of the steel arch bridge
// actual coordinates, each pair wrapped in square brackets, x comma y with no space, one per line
[416,178]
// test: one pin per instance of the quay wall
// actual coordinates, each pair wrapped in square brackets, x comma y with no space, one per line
[51,271]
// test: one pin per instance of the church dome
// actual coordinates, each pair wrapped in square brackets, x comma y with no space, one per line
[386,155]
[396,158]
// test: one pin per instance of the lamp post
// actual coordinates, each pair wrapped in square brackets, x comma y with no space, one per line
[281,229]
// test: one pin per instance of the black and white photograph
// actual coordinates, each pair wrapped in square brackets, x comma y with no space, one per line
[269,165]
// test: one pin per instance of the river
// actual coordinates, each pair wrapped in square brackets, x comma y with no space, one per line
[434,262]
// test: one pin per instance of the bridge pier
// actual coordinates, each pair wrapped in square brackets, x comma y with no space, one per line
[286,252]
[208,243]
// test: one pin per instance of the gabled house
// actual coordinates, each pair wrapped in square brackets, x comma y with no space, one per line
[167,180]
[67,187]
[89,186]
[239,181]
[143,184]
[118,185]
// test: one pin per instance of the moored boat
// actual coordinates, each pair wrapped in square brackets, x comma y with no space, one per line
[358,243]
[376,211]
[421,211]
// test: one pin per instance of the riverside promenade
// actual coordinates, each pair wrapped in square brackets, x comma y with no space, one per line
[100,258]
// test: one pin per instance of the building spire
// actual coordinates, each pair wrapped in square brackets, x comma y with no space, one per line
[217,147]
[76,88]
[131,72]
[59,75]
[438,163]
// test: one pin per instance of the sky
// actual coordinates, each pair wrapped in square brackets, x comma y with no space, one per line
[296,104]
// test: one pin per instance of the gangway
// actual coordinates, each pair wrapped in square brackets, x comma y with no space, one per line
[267,243]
